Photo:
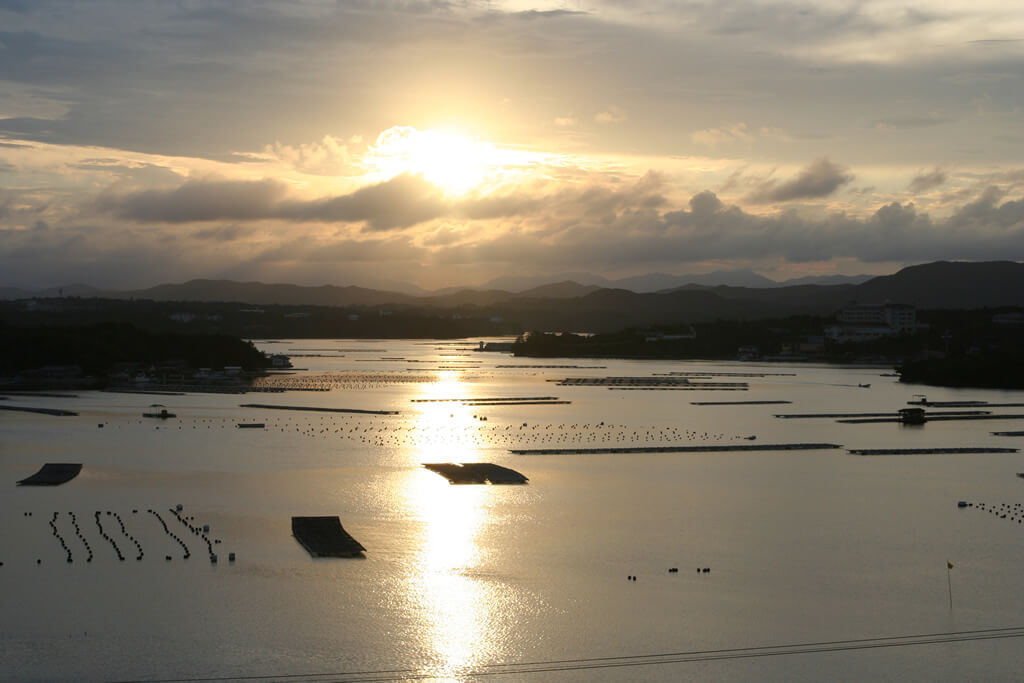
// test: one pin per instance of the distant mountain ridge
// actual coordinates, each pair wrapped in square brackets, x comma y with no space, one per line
[573,305]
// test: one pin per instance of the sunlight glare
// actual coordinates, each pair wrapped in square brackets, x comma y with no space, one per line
[451,161]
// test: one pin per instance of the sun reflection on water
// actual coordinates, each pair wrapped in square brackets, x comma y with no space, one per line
[455,605]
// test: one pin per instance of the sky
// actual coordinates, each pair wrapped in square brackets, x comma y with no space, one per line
[450,143]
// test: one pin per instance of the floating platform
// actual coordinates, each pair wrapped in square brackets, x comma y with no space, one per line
[678,449]
[936,417]
[655,381]
[928,451]
[691,387]
[251,425]
[316,409]
[890,416]
[493,399]
[42,411]
[52,474]
[476,473]
[517,403]
[1007,433]
[737,403]
[325,537]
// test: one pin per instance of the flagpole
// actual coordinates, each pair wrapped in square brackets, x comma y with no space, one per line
[949,584]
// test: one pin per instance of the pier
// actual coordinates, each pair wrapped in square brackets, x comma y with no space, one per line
[325,537]
[736,448]
[316,409]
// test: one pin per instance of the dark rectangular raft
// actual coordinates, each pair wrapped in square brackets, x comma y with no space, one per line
[476,473]
[53,473]
[325,537]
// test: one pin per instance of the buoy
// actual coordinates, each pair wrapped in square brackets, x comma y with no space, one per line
[231,557]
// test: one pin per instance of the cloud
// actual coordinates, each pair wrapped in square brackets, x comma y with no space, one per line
[330,156]
[198,200]
[401,202]
[907,122]
[611,114]
[711,137]
[923,182]
[564,121]
[819,179]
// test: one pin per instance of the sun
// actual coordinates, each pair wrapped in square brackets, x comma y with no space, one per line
[453,162]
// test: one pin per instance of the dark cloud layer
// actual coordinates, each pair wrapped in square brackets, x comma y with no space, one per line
[628,227]
[819,179]
[923,182]
[401,202]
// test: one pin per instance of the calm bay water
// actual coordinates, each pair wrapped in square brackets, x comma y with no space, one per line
[468,582]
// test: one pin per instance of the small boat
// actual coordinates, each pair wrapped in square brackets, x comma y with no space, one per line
[1021,475]
[864,386]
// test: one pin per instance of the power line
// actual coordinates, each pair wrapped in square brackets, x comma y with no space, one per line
[589,663]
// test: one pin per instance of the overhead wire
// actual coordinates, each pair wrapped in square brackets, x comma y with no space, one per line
[623,661]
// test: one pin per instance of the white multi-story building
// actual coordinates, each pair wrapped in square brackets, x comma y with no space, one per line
[898,317]
[864,322]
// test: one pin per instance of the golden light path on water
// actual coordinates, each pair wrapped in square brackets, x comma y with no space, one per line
[455,607]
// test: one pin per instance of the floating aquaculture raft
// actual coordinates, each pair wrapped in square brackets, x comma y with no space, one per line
[325,537]
[53,473]
[476,473]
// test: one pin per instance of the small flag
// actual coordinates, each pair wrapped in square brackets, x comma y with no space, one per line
[949,565]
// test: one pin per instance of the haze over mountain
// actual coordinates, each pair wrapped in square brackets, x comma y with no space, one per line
[562,285]
[573,306]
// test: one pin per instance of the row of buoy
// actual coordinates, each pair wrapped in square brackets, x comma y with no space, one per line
[675,570]
[56,534]
[1015,512]
[197,531]
[83,539]
[386,434]
[107,536]
[135,541]
[171,533]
